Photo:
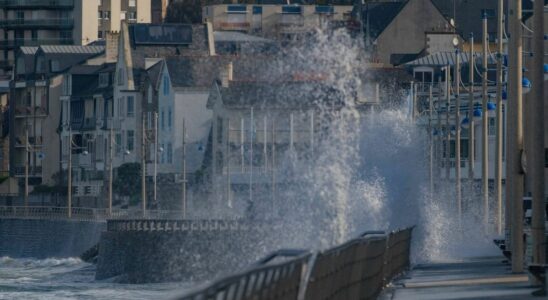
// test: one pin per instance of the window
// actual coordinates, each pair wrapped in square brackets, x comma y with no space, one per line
[118,142]
[130,106]
[131,15]
[291,9]
[162,154]
[120,106]
[100,14]
[166,85]
[169,153]
[66,36]
[130,140]
[100,34]
[20,15]
[489,13]
[162,124]
[257,10]
[121,76]
[106,15]
[34,35]
[103,79]
[169,117]
[492,127]
[236,9]
[132,3]
[324,9]
[54,65]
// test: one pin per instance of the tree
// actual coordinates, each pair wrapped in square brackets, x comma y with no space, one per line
[128,180]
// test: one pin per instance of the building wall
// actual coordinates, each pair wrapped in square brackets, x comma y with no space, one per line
[407,32]
[190,106]
[271,22]
[86,23]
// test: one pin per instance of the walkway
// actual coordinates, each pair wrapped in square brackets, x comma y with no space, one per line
[475,278]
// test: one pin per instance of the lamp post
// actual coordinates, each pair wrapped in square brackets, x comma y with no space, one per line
[183,204]
[514,171]
[26,168]
[485,129]
[110,169]
[447,123]
[71,146]
[537,132]
[155,175]
[471,130]
[431,139]
[498,151]
[143,166]
[457,134]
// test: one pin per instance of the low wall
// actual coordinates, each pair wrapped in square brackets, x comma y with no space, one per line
[147,251]
[21,238]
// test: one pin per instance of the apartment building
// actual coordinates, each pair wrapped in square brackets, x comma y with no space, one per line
[36,107]
[110,13]
[67,22]
[44,22]
[278,21]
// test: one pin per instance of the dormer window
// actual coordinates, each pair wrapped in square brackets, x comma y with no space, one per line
[54,65]
[103,79]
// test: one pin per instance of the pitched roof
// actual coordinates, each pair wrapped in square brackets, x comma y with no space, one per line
[380,15]
[72,49]
[28,50]
[285,95]
[238,37]
[447,58]
[154,72]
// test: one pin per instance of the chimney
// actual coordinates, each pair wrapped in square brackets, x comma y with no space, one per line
[227,75]
[111,48]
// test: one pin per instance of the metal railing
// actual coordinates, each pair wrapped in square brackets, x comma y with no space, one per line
[85,213]
[57,4]
[357,269]
[42,23]
[173,225]
[38,42]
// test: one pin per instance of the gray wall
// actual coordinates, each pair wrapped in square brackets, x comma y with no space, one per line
[47,238]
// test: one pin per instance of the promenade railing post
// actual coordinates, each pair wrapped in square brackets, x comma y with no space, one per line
[515,154]
[537,132]
[485,129]
[499,133]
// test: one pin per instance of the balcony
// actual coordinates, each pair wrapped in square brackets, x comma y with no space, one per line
[34,141]
[31,42]
[34,171]
[38,23]
[29,111]
[235,26]
[37,4]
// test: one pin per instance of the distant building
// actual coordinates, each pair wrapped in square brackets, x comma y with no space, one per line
[277,21]
[159,11]
[65,22]
[399,31]
[36,106]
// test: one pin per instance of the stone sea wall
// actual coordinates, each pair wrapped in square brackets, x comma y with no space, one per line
[138,256]
[20,238]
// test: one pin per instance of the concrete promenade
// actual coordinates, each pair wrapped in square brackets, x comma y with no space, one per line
[473,278]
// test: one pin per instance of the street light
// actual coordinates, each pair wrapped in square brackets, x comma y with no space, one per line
[72,146]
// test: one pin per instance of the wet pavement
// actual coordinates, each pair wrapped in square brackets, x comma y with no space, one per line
[473,278]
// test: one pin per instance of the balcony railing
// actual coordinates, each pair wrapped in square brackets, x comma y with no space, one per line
[34,171]
[38,23]
[38,42]
[26,111]
[34,141]
[43,4]
[234,25]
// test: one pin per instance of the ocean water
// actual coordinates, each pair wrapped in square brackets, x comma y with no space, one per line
[71,278]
